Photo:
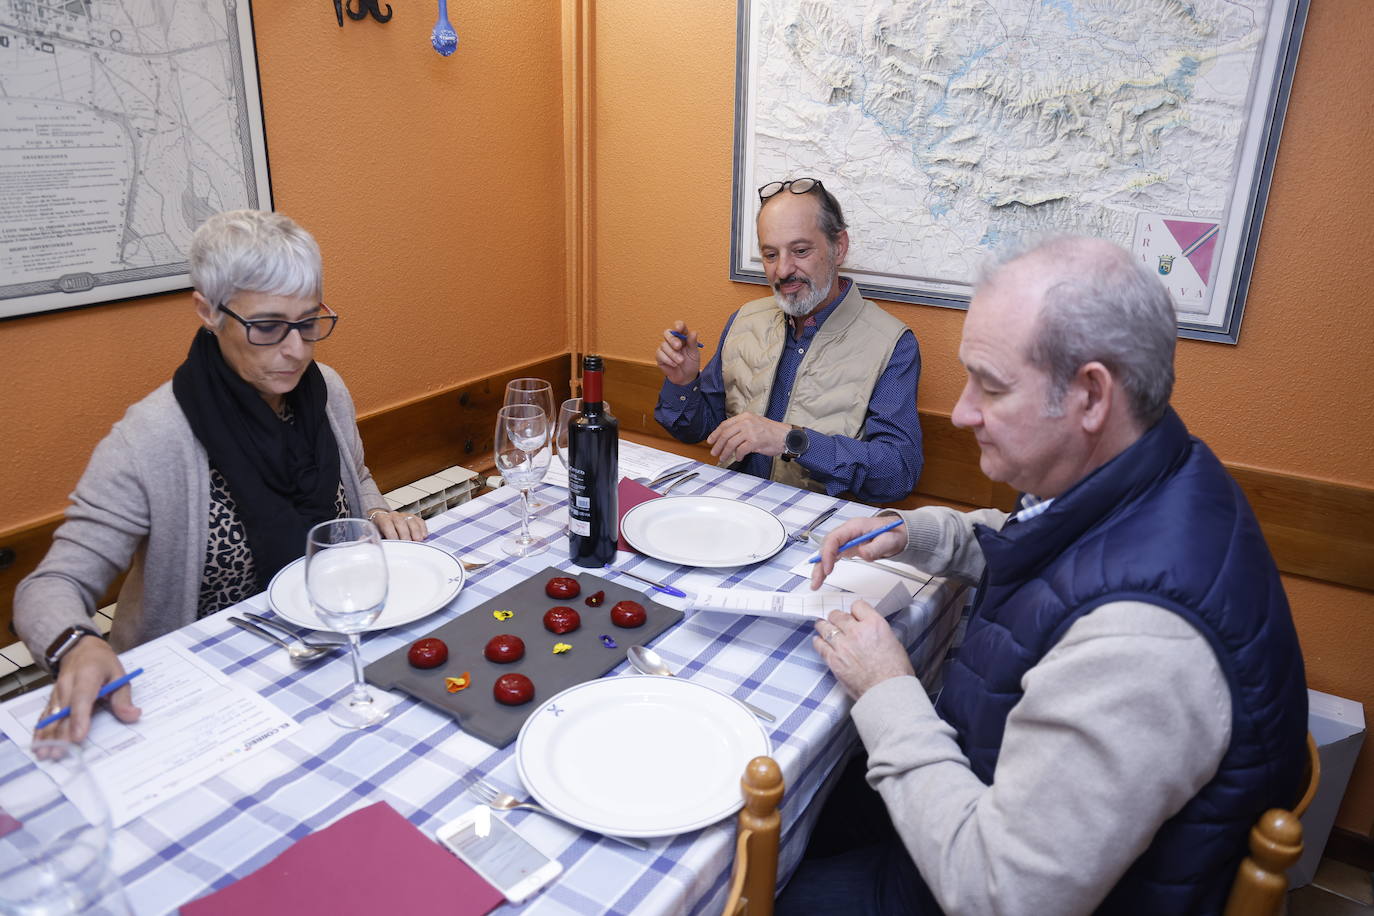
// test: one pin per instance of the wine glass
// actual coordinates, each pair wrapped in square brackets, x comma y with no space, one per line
[345,576]
[522,457]
[54,835]
[571,409]
[534,391]
[569,412]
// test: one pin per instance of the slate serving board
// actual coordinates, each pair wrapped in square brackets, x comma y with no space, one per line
[475,708]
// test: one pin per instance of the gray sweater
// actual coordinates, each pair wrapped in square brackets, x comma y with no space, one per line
[142,504]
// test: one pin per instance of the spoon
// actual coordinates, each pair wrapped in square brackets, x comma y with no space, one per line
[647,661]
[297,650]
[444,39]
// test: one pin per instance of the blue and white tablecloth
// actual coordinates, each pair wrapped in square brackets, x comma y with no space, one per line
[419,759]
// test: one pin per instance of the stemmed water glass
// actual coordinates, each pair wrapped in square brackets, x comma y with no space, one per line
[55,835]
[345,577]
[534,391]
[522,457]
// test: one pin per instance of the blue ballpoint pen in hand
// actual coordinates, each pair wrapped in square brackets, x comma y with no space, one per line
[683,337]
[105,691]
[861,539]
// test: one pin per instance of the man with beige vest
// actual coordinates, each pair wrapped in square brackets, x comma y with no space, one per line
[813,386]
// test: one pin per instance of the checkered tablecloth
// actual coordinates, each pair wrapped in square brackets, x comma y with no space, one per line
[419,759]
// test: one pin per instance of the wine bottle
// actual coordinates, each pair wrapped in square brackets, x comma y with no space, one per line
[593,478]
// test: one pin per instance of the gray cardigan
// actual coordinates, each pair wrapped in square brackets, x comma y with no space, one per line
[143,500]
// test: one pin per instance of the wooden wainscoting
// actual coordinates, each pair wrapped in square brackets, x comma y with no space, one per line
[1315,528]
[450,427]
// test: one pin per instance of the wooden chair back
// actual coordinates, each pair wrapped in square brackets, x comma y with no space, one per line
[755,878]
[1275,846]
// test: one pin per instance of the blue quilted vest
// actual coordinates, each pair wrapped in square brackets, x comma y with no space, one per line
[1162,523]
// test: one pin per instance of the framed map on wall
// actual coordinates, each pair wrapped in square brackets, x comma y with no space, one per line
[123,125]
[952,130]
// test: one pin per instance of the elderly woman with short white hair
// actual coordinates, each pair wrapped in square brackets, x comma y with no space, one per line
[206,487]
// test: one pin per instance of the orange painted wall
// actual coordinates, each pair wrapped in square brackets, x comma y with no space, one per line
[1296,395]
[435,189]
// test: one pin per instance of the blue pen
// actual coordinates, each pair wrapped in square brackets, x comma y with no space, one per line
[104,692]
[666,589]
[861,539]
[683,337]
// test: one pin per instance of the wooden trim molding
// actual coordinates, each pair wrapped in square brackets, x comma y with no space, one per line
[1316,528]
[447,428]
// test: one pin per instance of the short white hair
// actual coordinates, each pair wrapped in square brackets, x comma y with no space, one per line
[254,251]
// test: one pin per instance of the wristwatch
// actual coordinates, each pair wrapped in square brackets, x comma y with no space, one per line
[795,444]
[64,643]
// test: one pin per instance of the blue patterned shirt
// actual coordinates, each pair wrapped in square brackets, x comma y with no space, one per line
[883,467]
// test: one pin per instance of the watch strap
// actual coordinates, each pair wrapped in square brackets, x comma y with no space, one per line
[64,642]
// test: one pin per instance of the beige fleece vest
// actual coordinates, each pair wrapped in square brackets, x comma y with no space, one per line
[834,381]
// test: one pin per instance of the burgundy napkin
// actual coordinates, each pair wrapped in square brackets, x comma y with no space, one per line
[632,493]
[368,862]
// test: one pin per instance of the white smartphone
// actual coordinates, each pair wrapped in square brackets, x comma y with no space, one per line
[498,854]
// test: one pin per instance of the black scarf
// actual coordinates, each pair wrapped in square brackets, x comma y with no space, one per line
[284,476]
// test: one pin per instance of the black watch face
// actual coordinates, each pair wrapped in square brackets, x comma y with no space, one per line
[796,441]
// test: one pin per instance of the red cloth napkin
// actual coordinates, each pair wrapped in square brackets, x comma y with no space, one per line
[368,862]
[632,493]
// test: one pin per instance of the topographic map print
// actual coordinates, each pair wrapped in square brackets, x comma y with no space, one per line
[952,128]
[123,124]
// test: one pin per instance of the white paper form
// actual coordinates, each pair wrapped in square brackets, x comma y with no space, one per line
[804,605]
[196,723]
[865,578]
[635,461]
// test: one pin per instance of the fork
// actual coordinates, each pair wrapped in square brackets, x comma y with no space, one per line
[311,639]
[683,479]
[493,797]
[801,534]
[662,478]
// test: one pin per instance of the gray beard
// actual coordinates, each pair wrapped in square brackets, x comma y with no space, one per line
[803,305]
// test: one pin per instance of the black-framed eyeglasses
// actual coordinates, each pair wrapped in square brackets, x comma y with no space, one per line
[266,332]
[796,186]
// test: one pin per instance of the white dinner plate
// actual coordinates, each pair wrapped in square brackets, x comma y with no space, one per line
[421,578]
[639,756]
[704,531]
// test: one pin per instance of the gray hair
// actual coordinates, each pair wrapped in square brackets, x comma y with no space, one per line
[254,251]
[829,216]
[1099,305]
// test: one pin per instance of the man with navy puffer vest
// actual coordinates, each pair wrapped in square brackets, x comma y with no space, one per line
[1129,696]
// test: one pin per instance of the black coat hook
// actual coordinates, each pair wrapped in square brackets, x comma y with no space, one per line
[368,6]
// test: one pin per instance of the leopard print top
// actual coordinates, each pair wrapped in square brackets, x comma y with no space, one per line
[229,575]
